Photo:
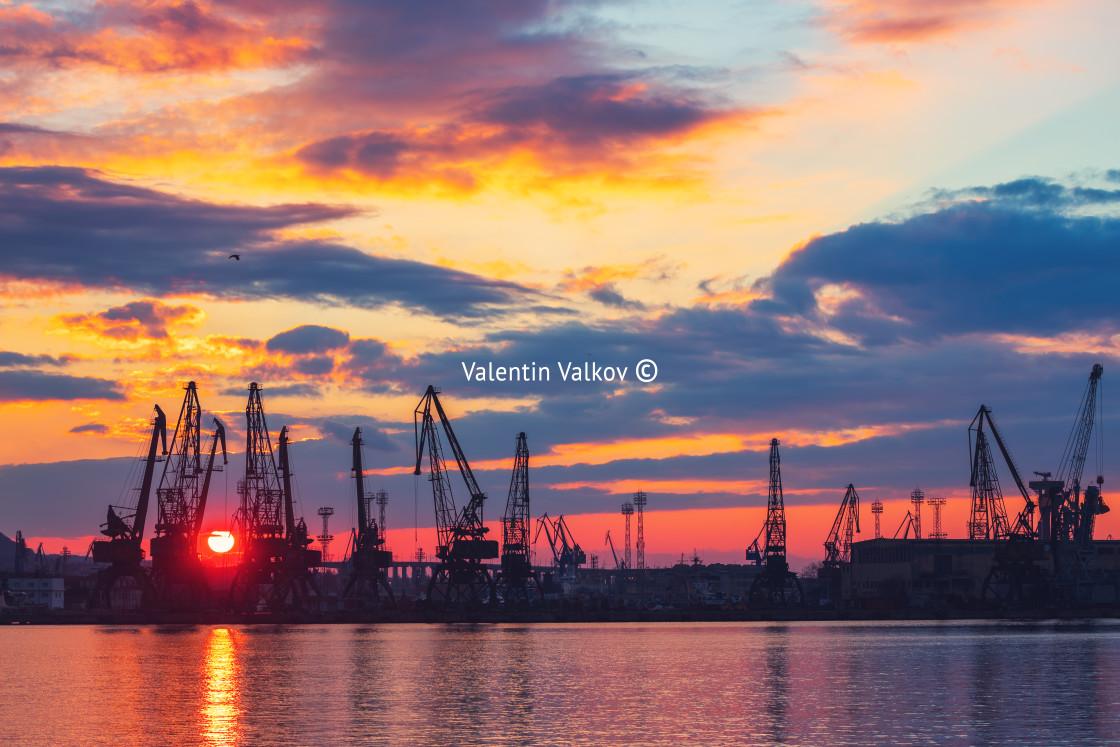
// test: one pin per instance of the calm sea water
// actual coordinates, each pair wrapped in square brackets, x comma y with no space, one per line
[655,684]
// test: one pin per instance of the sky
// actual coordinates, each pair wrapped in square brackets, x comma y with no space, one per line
[842,224]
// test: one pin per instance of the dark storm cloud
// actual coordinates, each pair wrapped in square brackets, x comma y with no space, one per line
[1017,263]
[308,338]
[90,428]
[19,360]
[608,295]
[68,225]
[591,117]
[590,110]
[35,386]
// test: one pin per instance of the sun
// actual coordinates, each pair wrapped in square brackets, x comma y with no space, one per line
[220,541]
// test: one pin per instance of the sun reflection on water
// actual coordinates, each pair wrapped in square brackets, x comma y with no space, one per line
[221,711]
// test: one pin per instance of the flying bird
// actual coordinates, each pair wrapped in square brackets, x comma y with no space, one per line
[235,256]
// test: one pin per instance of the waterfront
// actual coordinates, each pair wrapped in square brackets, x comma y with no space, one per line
[961,683]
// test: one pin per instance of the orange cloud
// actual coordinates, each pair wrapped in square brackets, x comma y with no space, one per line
[137,321]
[145,37]
[916,21]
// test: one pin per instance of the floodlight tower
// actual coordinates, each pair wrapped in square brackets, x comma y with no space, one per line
[917,497]
[877,510]
[325,538]
[640,545]
[628,511]
[937,504]
[382,499]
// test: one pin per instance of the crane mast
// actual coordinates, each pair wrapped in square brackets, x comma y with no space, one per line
[369,559]
[122,550]
[177,572]
[775,585]
[517,581]
[461,578]
[275,568]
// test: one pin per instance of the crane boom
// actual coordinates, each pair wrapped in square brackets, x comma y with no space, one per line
[219,435]
[838,545]
[618,564]
[1077,446]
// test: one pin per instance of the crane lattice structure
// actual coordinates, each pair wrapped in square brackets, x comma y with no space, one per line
[516,580]
[326,537]
[369,560]
[461,578]
[125,531]
[275,572]
[877,512]
[775,585]
[177,573]
[987,518]
[178,577]
[1080,511]
[937,533]
[838,546]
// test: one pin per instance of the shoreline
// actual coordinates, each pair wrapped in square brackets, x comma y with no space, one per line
[11,616]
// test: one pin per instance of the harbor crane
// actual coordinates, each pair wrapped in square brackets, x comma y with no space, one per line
[775,585]
[369,560]
[1080,511]
[461,578]
[838,545]
[517,581]
[178,578]
[567,555]
[275,569]
[1015,577]
[125,531]
[988,517]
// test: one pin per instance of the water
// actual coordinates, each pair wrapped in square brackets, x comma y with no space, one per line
[655,684]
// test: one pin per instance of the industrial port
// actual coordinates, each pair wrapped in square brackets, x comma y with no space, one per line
[1032,553]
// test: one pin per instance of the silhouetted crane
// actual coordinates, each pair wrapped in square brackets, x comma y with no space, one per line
[369,559]
[838,545]
[775,585]
[123,549]
[178,578]
[276,560]
[517,581]
[461,578]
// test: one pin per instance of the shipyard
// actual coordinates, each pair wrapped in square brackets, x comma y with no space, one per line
[1030,553]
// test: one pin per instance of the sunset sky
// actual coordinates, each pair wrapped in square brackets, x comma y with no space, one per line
[842,224]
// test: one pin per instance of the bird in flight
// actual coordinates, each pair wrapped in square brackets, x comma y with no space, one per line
[235,256]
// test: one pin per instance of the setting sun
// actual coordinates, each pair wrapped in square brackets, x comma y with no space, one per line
[220,541]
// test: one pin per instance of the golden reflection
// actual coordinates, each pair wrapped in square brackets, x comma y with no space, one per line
[221,711]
